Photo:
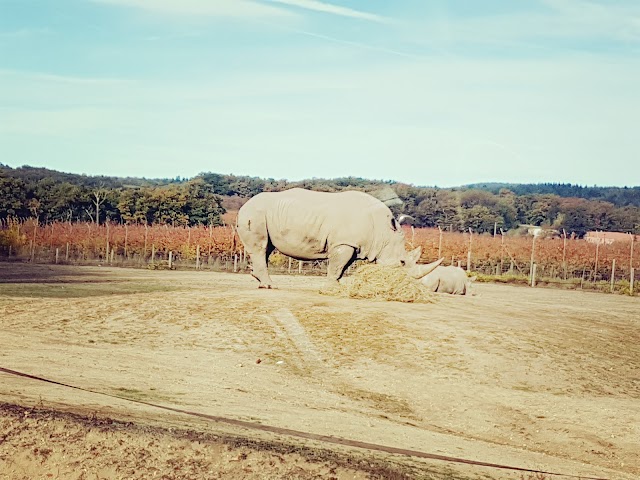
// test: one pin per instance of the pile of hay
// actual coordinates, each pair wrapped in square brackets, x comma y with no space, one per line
[387,283]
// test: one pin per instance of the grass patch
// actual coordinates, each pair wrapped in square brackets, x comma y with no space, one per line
[604,286]
[381,401]
[141,395]
[506,278]
[80,290]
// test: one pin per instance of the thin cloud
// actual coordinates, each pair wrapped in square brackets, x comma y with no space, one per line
[215,8]
[567,26]
[25,33]
[330,8]
[23,76]
[601,18]
[358,45]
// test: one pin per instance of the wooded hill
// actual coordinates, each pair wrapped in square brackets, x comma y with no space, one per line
[50,196]
[619,196]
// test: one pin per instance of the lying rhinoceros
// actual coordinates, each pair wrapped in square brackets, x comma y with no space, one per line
[310,225]
[449,279]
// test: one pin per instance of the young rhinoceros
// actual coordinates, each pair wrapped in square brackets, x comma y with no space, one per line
[310,225]
[448,279]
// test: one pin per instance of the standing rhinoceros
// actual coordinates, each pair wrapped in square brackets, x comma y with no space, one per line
[309,225]
[449,279]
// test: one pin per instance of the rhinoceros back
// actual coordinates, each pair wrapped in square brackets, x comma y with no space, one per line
[305,224]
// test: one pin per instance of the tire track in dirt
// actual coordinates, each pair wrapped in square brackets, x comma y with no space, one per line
[315,367]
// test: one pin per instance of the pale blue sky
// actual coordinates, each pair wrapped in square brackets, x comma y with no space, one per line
[429,92]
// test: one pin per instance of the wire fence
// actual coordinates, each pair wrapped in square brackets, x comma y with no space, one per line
[564,262]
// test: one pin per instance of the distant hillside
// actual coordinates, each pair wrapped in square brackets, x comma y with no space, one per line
[249,186]
[619,196]
[34,174]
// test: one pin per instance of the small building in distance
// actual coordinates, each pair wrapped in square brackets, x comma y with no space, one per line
[607,238]
[537,231]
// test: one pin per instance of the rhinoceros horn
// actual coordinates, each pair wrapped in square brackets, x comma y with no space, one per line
[419,271]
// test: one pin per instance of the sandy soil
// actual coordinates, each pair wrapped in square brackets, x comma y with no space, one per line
[535,378]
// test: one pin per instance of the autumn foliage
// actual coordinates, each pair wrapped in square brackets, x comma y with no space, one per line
[86,241]
[554,257]
[121,243]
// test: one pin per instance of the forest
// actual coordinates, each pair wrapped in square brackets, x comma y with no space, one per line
[51,196]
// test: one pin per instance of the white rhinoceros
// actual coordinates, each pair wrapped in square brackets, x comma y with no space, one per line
[310,225]
[450,279]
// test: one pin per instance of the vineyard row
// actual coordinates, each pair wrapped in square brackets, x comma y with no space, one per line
[87,242]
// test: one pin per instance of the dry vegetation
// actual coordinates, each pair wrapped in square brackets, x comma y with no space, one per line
[41,443]
[373,281]
[566,263]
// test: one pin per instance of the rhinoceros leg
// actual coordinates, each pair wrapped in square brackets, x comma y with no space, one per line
[431,283]
[340,257]
[256,241]
[259,267]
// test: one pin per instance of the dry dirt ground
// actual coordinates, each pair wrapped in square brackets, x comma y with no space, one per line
[538,379]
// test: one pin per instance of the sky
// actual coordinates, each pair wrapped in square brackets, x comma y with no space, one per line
[426,92]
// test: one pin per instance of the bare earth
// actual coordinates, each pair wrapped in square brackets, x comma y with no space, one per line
[538,379]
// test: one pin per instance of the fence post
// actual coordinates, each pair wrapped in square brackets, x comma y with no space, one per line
[595,271]
[170,259]
[300,262]
[153,253]
[66,258]
[57,252]
[33,250]
[613,274]
[106,252]
[533,275]
[633,237]
[469,252]
[564,252]
[197,255]
[440,243]
[533,251]
[501,251]
[146,234]
[289,269]
[235,263]
[210,240]
[126,239]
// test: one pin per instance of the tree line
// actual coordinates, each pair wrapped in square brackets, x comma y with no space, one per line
[50,196]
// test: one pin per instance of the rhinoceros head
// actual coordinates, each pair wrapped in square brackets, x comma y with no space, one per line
[398,256]
[391,251]
[394,253]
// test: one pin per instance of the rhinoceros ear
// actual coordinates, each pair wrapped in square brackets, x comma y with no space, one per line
[408,219]
[387,196]
[414,255]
